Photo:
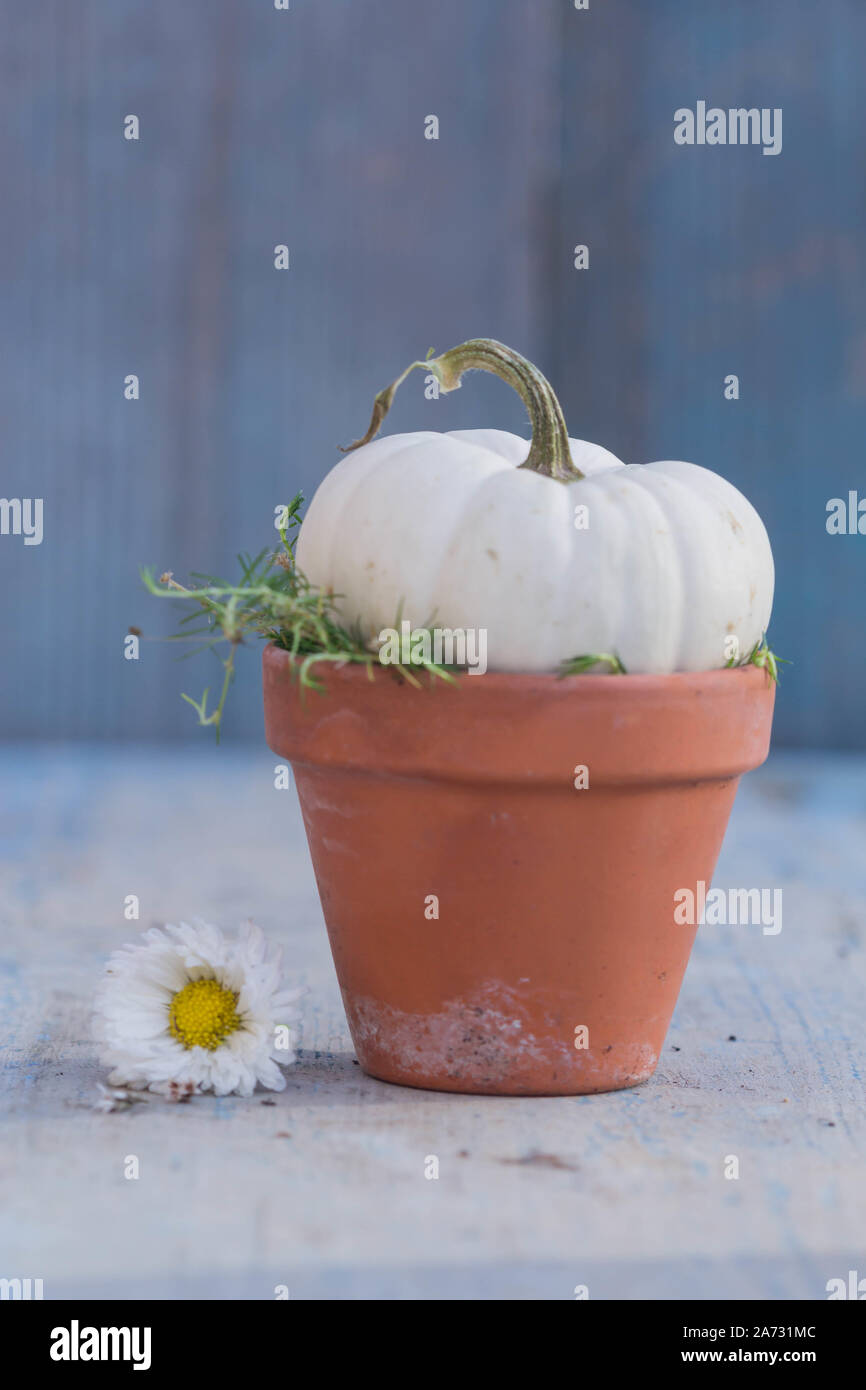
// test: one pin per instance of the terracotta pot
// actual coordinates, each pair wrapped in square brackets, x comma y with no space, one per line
[555,905]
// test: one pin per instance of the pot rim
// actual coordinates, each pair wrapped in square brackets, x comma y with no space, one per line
[521,727]
[638,683]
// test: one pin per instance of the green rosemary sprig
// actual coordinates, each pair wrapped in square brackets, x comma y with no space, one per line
[579,665]
[761,655]
[273,601]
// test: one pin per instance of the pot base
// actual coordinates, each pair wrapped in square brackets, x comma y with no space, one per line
[499,1042]
[435,1083]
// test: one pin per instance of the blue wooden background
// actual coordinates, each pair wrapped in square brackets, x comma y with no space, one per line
[306,127]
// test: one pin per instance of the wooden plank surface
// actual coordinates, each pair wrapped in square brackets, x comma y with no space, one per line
[324,1191]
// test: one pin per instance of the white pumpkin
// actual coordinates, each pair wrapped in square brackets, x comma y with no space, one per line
[460,530]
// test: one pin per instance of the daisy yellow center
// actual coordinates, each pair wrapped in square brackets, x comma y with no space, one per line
[203,1014]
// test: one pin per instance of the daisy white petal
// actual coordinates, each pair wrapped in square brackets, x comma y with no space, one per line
[186,1009]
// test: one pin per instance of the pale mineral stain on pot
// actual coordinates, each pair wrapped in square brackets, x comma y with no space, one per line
[476,1039]
[482,1041]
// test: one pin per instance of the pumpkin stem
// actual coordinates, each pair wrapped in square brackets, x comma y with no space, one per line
[549,452]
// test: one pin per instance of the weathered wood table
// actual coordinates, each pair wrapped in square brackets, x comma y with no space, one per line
[324,1190]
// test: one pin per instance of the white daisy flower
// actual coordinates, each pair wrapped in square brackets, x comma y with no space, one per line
[189,1010]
